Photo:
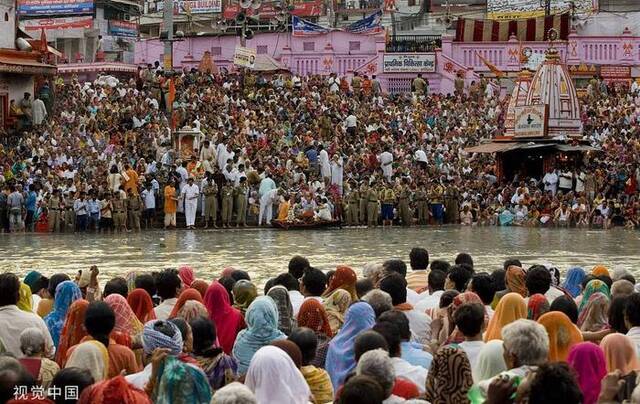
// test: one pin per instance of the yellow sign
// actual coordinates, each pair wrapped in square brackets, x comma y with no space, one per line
[530,121]
[245,57]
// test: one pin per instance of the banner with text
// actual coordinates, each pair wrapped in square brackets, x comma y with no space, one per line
[121,28]
[245,57]
[531,121]
[409,63]
[54,7]
[197,6]
[514,9]
[268,11]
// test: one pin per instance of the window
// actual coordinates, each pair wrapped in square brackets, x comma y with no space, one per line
[6,16]
[309,46]
[354,45]
[216,50]
[262,49]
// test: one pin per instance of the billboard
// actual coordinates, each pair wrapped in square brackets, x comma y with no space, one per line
[515,9]
[409,63]
[121,28]
[531,121]
[54,7]
[267,11]
[245,57]
[198,6]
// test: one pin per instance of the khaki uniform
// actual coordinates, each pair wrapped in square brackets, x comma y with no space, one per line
[364,201]
[69,215]
[210,192]
[227,204]
[372,207]
[353,202]
[422,206]
[54,217]
[119,214]
[404,212]
[134,207]
[240,196]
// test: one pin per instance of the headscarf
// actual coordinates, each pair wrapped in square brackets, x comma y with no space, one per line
[344,278]
[594,315]
[227,319]
[178,382]
[594,286]
[24,298]
[340,356]
[537,306]
[563,334]
[336,305]
[312,315]
[73,330]
[67,292]
[152,339]
[187,276]
[115,390]
[515,280]
[449,378]
[191,310]
[456,336]
[573,281]
[262,328]
[274,378]
[291,349]
[244,293]
[126,321]
[280,296]
[587,359]
[31,278]
[201,286]
[142,305]
[600,270]
[91,356]
[509,309]
[130,277]
[233,393]
[620,353]
[185,296]
[490,361]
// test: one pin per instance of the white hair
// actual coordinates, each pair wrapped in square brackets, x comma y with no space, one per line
[31,341]
[234,393]
[379,300]
[372,271]
[377,364]
[527,340]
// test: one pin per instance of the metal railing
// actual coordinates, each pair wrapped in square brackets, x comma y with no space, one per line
[414,43]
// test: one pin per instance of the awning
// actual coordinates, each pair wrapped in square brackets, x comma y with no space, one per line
[54,51]
[24,66]
[265,63]
[127,2]
[492,147]
[568,148]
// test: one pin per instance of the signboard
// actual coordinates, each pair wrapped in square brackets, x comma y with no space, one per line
[515,9]
[61,23]
[530,121]
[54,7]
[267,11]
[121,28]
[409,63]
[197,6]
[615,72]
[245,57]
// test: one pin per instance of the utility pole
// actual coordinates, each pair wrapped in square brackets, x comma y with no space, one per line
[167,20]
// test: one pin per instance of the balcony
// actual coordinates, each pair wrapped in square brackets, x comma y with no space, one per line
[414,43]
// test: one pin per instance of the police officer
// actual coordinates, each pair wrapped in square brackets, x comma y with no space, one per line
[134,208]
[404,212]
[422,206]
[210,191]
[372,206]
[54,209]
[227,204]
[353,201]
[240,196]
[119,212]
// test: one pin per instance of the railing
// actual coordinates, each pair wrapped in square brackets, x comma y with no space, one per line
[414,43]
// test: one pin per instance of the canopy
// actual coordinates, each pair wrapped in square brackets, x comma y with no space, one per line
[265,63]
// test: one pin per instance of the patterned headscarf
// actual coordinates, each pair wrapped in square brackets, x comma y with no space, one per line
[537,306]
[152,339]
[594,315]
[336,305]
[67,292]
[73,331]
[449,378]
[573,281]
[244,293]
[463,298]
[178,382]
[115,390]
[185,296]
[24,298]
[280,295]
[187,276]
[312,315]
[192,309]
[515,280]
[594,286]
[126,320]
[142,305]
[344,278]
[587,359]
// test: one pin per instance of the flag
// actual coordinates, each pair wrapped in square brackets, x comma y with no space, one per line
[368,25]
[303,27]
[494,69]
[44,48]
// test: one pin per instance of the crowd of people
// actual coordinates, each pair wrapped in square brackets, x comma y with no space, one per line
[438,333]
[299,150]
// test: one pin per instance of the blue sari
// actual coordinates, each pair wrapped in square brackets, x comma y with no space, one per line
[573,281]
[67,292]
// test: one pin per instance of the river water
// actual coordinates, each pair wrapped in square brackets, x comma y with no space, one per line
[265,252]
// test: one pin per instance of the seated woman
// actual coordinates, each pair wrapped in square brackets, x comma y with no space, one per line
[32,346]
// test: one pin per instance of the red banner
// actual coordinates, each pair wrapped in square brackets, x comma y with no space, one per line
[58,23]
[267,11]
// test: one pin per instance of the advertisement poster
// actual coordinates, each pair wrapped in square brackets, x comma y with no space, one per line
[409,63]
[267,11]
[245,57]
[515,9]
[54,7]
[123,28]
[198,6]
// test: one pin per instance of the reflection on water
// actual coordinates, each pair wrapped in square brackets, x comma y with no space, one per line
[265,253]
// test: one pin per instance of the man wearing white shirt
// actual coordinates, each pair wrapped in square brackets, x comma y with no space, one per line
[266,206]
[168,284]
[565,181]
[469,318]
[550,181]
[208,151]
[352,124]
[419,323]
[482,285]
[267,184]
[190,195]
[421,158]
[435,286]
[386,160]
[325,166]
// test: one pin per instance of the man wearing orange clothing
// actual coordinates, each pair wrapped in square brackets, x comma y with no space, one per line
[283,209]
[170,206]
[132,182]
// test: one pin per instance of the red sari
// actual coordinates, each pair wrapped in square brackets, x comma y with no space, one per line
[186,295]
[142,305]
[227,319]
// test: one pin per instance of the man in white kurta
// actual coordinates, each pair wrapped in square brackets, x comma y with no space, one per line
[38,111]
[323,160]
[337,172]
[386,161]
[190,193]
[266,206]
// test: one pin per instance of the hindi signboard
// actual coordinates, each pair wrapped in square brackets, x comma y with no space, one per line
[54,7]
[409,63]
[128,29]
[516,9]
[197,6]
[245,57]
[530,121]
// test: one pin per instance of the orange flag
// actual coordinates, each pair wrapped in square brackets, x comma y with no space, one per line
[494,69]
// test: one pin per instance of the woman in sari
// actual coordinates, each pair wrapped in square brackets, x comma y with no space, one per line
[286,321]
[490,361]
[24,298]
[126,321]
[142,305]
[563,335]
[600,270]
[46,304]
[201,286]
[220,368]
[262,329]
[244,293]
[192,309]
[186,295]
[92,357]
[594,286]
[449,378]
[510,308]
[67,292]
[32,346]
[594,315]
[228,320]
[620,353]
[312,315]
[115,390]
[336,305]
[587,359]
[341,356]
[187,276]
[573,282]
[344,278]
[537,306]
[73,330]
[514,280]
[174,381]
